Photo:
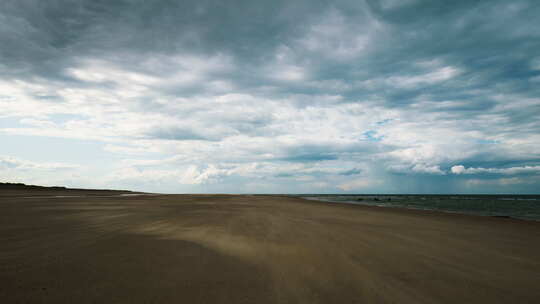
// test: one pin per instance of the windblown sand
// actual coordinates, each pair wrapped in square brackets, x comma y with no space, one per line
[258,249]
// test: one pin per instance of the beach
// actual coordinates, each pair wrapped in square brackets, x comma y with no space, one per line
[112,248]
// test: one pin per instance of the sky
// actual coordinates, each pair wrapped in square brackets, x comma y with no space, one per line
[258,96]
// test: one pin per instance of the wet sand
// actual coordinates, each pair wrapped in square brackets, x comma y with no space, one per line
[257,249]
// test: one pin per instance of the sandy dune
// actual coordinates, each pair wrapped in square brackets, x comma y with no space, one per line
[258,249]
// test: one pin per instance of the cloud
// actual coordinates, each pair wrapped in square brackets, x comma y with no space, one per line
[15,169]
[439,75]
[12,163]
[505,182]
[195,176]
[459,169]
[422,168]
[290,96]
[353,171]
[358,184]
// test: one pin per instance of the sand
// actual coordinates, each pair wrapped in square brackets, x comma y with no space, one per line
[257,249]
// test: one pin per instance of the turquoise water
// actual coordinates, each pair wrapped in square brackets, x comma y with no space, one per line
[515,206]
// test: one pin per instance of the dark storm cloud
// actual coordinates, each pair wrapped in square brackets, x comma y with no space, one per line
[354,171]
[490,41]
[37,34]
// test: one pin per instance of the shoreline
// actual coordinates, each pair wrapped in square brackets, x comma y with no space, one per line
[401,207]
[91,193]
[425,210]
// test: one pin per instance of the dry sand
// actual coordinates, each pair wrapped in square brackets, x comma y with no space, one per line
[258,249]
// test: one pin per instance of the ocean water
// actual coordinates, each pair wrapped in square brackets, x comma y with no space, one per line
[515,206]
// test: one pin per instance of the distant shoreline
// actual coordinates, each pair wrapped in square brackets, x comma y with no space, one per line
[21,190]
[520,207]
[22,186]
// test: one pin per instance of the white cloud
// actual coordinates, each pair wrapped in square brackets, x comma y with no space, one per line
[359,184]
[510,181]
[423,168]
[14,169]
[194,176]
[8,162]
[288,73]
[336,38]
[436,76]
[459,169]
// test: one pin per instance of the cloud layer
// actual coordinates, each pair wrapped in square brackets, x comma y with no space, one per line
[257,96]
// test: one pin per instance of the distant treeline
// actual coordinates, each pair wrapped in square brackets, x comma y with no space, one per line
[21,186]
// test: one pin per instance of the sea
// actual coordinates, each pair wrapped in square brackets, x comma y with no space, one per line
[525,207]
